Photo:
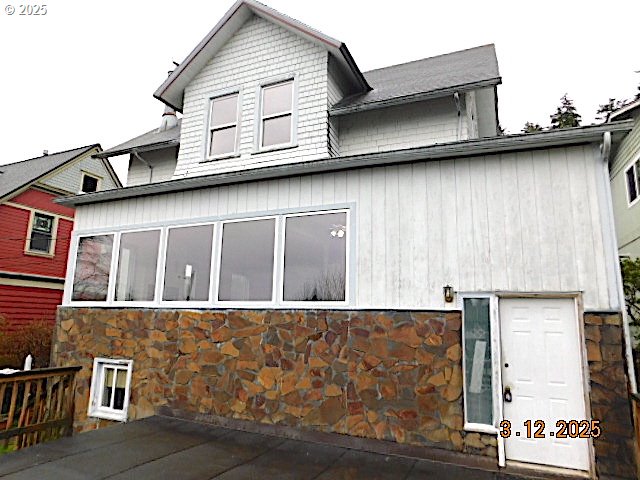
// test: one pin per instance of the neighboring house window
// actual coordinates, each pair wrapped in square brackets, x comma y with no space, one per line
[276,114]
[90,183]
[247,260]
[93,264]
[632,175]
[315,257]
[477,361]
[110,385]
[188,265]
[137,266]
[223,126]
[41,236]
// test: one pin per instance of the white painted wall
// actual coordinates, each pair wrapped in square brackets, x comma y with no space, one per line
[486,112]
[257,52]
[163,163]
[404,126]
[529,221]
[69,179]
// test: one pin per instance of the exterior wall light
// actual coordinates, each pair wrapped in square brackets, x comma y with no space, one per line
[448,293]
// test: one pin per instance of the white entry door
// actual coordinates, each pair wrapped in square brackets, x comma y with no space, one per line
[542,370]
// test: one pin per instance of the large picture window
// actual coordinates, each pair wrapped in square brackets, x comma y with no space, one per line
[315,257]
[276,114]
[137,263]
[188,266]
[93,264]
[478,372]
[247,259]
[223,125]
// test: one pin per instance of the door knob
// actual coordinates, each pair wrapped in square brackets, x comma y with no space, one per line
[507,395]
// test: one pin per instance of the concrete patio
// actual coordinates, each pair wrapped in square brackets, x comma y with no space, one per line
[164,448]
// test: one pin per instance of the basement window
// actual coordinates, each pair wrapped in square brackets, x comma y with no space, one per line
[632,176]
[223,126]
[41,234]
[110,389]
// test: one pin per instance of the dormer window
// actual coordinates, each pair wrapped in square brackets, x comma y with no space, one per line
[223,126]
[276,115]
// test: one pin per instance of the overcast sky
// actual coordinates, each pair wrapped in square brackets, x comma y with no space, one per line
[85,72]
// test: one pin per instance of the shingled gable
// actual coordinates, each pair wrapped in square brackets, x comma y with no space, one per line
[172,90]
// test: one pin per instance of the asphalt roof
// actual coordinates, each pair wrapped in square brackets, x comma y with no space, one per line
[152,138]
[16,175]
[430,75]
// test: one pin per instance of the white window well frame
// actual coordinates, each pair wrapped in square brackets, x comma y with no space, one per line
[347,280]
[274,285]
[496,372]
[635,166]
[209,129]
[259,117]
[95,409]
[54,234]
[92,175]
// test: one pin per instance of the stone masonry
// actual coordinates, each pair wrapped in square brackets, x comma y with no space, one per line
[377,374]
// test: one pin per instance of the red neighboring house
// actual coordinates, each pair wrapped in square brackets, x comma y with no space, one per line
[35,232]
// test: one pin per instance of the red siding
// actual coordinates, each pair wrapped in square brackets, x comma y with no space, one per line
[14,225]
[21,305]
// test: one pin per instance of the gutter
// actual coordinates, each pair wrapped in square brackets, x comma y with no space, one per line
[414,97]
[466,148]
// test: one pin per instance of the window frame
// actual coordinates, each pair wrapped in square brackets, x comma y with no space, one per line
[259,117]
[347,279]
[95,409]
[635,166]
[496,372]
[92,175]
[209,129]
[54,234]
[274,276]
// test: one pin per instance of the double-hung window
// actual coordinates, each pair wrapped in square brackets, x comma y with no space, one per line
[276,115]
[223,126]
[110,386]
[632,177]
[41,239]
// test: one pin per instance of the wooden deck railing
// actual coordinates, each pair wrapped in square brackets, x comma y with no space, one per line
[35,406]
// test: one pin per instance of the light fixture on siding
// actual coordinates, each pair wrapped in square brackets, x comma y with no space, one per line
[338,231]
[447,290]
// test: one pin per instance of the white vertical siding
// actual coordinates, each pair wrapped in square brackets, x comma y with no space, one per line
[527,221]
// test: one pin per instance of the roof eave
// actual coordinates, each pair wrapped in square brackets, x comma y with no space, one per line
[468,148]
[416,97]
[140,148]
[625,111]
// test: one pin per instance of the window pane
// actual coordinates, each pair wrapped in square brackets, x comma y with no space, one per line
[136,278]
[277,98]
[223,141]
[188,266]
[224,110]
[315,257]
[121,383]
[107,387]
[41,233]
[276,131]
[89,184]
[93,262]
[632,185]
[246,270]
[477,351]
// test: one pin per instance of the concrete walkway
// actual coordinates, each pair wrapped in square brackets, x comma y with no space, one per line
[162,448]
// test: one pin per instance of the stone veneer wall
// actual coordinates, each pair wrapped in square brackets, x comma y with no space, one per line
[615,449]
[391,375]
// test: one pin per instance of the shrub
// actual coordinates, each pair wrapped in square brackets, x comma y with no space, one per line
[33,338]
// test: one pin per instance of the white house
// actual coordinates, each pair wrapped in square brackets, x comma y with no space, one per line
[313,250]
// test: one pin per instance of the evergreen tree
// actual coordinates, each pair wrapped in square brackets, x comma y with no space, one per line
[605,110]
[566,115]
[531,127]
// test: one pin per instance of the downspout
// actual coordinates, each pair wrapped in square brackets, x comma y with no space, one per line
[605,150]
[456,99]
[135,154]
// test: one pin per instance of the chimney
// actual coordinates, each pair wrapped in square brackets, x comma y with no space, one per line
[45,152]
[169,118]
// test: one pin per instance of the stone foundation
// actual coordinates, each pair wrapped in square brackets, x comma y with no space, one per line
[384,375]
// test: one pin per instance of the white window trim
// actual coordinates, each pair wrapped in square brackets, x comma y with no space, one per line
[496,372]
[92,175]
[209,129]
[258,148]
[635,166]
[95,409]
[54,234]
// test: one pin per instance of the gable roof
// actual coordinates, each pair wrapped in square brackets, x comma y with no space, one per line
[625,112]
[427,78]
[152,140]
[16,175]
[172,89]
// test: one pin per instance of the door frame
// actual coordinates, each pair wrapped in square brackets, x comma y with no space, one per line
[579,315]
